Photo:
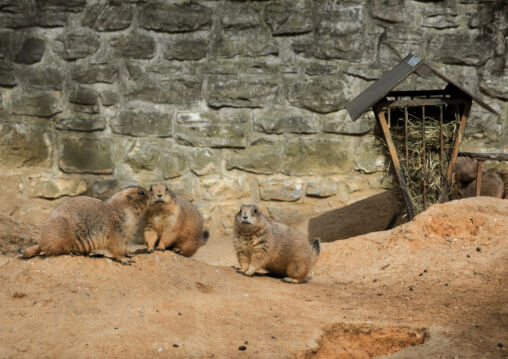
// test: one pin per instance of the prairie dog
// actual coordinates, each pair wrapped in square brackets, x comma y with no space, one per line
[273,246]
[174,221]
[83,224]
[492,185]
[465,169]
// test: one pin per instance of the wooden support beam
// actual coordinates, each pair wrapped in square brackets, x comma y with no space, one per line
[458,140]
[486,156]
[424,159]
[395,158]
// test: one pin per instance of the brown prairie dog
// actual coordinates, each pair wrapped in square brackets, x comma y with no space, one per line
[492,185]
[84,224]
[174,221]
[272,246]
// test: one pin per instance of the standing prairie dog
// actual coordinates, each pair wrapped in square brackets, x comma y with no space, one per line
[84,224]
[174,221]
[273,246]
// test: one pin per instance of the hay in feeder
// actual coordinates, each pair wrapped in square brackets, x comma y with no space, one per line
[434,174]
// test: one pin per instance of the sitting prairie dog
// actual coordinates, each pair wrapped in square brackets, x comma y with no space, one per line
[492,186]
[84,224]
[272,246]
[465,169]
[174,221]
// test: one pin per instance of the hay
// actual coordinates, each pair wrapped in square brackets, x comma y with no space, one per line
[435,169]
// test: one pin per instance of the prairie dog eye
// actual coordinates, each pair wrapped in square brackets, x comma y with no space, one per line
[255,211]
[141,193]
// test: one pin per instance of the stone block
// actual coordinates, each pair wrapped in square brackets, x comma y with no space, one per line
[250,42]
[23,144]
[289,17]
[368,155]
[53,188]
[136,46]
[108,17]
[174,92]
[83,98]
[246,92]
[284,120]
[31,51]
[109,97]
[42,104]
[173,18]
[225,128]
[280,190]
[94,73]
[224,188]
[86,154]
[186,49]
[7,78]
[493,80]
[261,157]
[44,78]
[62,5]
[321,94]
[76,45]
[339,18]
[387,10]
[322,188]
[202,161]
[317,156]
[85,124]
[240,15]
[142,123]
[461,48]
[340,122]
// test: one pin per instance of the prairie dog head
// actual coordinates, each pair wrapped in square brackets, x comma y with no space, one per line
[161,194]
[249,215]
[133,197]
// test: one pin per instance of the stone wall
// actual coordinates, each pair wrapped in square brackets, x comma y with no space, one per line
[229,102]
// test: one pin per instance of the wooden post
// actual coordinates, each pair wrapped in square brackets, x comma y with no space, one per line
[424,167]
[405,138]
[479,168]
[395,158]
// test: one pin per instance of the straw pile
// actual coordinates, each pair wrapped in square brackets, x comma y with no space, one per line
[413,169]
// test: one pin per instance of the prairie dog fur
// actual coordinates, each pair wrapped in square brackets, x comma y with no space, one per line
[260,244]
[174,221]
[83,224]
[492,185]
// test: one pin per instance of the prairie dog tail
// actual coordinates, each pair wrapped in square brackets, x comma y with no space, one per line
[31,251]
[205,237]
[316,245]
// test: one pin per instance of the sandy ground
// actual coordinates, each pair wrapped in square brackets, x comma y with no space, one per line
[433,288]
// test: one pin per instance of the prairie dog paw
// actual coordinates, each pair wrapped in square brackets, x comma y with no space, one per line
[250,272]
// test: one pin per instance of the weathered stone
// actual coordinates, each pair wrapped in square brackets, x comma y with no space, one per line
[185,186]
[239,15]
[440,21]
[284,120]
[280,190]
[166,17]
[93,73]
[248,65]
[7,78]
[142,123]
[368,157]
[108,17]
[103,188]
[351,47]
[340,122]
[43,104]
[252,42]
[62,5]
[31,51]
[316,68]
[322,188]
[136,46]
[245,92]
[175,91]
[86,124]
[5,44]
[225,128]
[190,49]
[109,98]
[76,45]
[338,18]
[220,188]
[86,155]
[289,17]
[202,161]
[23,144]
[44,78]
[83,99]
[262,157]
[26,13]
[387,10]
[461,48]
[494,78]
[321,156]
[52,188]
[321,94]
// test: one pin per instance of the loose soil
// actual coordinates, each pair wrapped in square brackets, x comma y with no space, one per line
[433,288]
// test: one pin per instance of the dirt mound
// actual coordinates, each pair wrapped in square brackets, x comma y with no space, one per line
[15,235]
[435,287]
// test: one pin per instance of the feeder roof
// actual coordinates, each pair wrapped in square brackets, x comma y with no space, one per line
[395,76]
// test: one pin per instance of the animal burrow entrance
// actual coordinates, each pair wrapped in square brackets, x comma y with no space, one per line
[342,340]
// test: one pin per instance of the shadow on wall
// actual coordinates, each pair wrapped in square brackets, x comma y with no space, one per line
[373,214]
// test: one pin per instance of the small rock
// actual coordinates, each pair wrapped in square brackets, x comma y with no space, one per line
[175,346]
[246,342]
[478,249]
[410,289]
[500,345]
[468,256]
[446,285]
[116,328]
[179,313]
[242,347]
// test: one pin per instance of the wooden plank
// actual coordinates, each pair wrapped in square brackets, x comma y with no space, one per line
[478,178]
[424,161]
[396,164]
[458,140]
[485,156]
[418,102]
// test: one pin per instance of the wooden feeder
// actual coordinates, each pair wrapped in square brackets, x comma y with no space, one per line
[449,106]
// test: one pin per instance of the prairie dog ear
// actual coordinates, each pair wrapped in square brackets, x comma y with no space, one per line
[150,188]
[166,187]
